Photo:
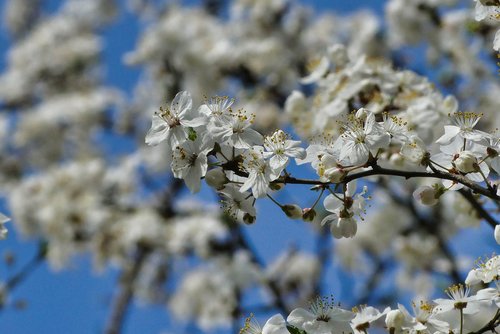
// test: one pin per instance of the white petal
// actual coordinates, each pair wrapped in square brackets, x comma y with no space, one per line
[299,316]
[296,152]
[496,42]
[177,136]
[159,131]
[481,11]
[332,203]
[336,230]
[450,132]
[248,183]
[495,164]
[318,72]
[351,188]
[330,218]
[277,163]
[193,177]
[260,187]
[181,104]
[275,325]
[198,121]
[3,218]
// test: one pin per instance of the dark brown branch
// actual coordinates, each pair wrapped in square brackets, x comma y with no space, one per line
[129,275]
[323,253]
[273,287]
[125,293]
[437,174]
[371,284]
[431,226]
[25,271]
[478,207]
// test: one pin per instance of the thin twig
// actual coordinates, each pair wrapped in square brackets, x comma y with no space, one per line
[478,207]
[128,277]
[125,293]
[273,287]
[437,174]
[25,271]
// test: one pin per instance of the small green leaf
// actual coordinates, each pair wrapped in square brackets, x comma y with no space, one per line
[192,134]
[295,330]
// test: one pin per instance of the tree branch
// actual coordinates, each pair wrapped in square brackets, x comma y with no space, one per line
[478,207]
[126,292]
[431,226]
[376,170]
[273,287]
[25,271]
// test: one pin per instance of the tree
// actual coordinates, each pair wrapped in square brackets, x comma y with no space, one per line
[379,162]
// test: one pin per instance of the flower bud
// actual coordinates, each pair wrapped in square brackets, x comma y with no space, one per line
[335,174]
[216,178]
[293,211]
[427,195]
[308,214]
[492,153]
[248,219]
[394,320]
[466,162]
[276,186]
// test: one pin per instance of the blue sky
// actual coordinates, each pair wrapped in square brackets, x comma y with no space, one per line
[75,300]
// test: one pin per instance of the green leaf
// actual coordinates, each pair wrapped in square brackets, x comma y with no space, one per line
[192,135]
[295,330]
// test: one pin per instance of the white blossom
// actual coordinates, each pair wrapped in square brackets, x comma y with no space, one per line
[189,161]
[172,123]
[364,317]
[260,173]
[323,316]
[279,148]
[361,138]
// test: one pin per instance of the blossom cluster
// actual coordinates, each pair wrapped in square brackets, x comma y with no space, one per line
[247,165]
[462,311]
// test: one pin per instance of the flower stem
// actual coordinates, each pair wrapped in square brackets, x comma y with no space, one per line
[461,320]
[275,201]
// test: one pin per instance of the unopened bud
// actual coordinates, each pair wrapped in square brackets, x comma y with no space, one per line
[394,320]
[492,153]
[335,174]
[293,211]
[427,195]
[248,219]
[466,162]
[216,178]
[276,186]
[308,214]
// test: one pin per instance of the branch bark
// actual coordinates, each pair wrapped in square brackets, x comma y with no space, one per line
[376,170]
[125,293]
[478,207]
